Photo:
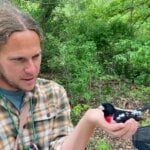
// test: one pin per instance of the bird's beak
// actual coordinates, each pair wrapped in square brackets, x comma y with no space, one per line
[101,107]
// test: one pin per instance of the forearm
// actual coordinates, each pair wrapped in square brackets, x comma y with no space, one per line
[80,136]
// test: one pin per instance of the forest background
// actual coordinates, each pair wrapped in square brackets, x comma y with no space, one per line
[99,50]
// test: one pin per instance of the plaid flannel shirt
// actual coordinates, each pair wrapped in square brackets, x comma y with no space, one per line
[51,111]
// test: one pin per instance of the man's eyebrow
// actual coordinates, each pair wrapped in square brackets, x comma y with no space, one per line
[39,53]
[21,56]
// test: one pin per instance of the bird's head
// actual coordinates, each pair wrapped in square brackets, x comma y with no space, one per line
[107,108]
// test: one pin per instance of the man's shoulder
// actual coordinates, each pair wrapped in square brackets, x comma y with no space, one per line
[49,89]
[42,82]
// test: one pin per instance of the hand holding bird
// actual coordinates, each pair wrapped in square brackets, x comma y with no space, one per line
[121,115]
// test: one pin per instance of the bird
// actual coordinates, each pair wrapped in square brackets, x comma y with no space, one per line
[109,110]
[118,115]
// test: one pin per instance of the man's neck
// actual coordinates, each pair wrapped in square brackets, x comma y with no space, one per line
[5,86]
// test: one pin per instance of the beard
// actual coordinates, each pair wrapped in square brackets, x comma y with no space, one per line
[7,81]
[10,84]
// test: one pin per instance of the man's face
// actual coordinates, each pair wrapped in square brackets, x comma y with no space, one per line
[20,60]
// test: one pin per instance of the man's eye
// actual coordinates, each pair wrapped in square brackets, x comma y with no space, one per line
[19,59]
[36,56]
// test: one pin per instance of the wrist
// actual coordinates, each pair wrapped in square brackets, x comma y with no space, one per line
[90,118]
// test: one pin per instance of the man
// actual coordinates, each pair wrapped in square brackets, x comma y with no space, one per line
[34,112]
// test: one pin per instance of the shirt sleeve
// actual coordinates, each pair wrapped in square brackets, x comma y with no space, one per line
[62,125]
[57,144]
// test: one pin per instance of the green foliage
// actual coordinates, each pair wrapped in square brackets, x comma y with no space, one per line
[30,7]
[77,112]
[80,66]
[94,48]
[141,93]
[145,122]
[102,145]
[132,60]
[50,53]
[88,38]
[99,144]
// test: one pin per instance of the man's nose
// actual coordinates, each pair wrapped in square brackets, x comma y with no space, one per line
[30,67]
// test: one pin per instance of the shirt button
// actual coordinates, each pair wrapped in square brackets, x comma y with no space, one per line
[48,114]
[24,126]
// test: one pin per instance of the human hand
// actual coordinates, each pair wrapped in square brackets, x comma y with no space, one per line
[95,118]
[118,115]
[122,130]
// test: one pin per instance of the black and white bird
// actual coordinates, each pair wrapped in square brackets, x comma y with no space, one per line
[120,115]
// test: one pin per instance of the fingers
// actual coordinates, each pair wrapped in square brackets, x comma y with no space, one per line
[132,126]
[117,130]
[125,131]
